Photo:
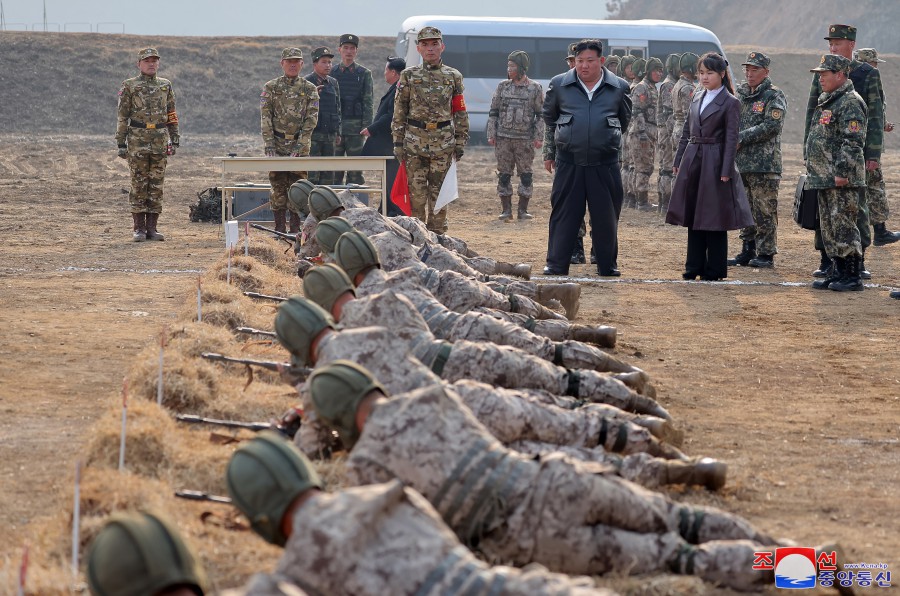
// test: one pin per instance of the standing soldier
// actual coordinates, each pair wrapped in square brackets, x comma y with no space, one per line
[637,68]
[357,103]
[431,126]
[147,132]
[758,159]
[644,98]
[289,112]
[665,147]
[327,133]
[682,94]
[570,57]
[515,129]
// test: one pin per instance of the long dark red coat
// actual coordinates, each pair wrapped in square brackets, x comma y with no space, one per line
[700,200]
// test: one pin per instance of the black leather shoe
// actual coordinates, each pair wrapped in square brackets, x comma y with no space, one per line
[895,294]
[611,273]
[548,270]
[687,275]
[709,278]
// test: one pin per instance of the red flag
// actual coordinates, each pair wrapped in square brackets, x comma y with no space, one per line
[400,192]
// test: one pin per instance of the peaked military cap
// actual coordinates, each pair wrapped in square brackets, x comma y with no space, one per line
[292,54]
[321,52]
[868,55]
[429,33]
[147,53]
[841,32]
[349,38]
[832,62]
[757,59]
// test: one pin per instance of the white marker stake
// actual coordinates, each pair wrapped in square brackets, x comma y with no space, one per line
[23,572]
[199,309]
[159,382]
[228,274]
[76,519]
[124,419]
[246,238]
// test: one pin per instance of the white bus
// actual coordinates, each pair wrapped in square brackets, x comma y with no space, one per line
[478,47]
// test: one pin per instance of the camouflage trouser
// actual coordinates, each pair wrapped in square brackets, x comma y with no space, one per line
[147,173]
[514,154]
[762,192]
[838,210]
[556,330]
[281,182]
[862,221]
[426,174]
[876,197]
[322,144]
[644,157]
[627,165]
[462,294]
[351,144]
[665,153]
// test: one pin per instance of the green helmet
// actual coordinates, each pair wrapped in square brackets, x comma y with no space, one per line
[324,284]
[336,391]
[571,53]
[624,62]
[141,553]
[297,324]
[688,62]
[654,64]
[323,201]
[329,230]
[639,68]
[354,252]
[521,59]
[298,196]
[264,476]
[672,65]
[612,63]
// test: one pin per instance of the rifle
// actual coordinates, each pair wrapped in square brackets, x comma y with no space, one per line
[289,431]
[196,495]
[264,296]
[298,372]
[283,235]
[253,331]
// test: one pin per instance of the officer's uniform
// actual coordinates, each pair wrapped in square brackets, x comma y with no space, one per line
[665,147]
[644,99]
[430,128]
[289,112]
[147,124]
[357,109]
[328,128]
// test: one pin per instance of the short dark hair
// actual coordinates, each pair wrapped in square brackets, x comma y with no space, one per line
[589,44]
[396,64]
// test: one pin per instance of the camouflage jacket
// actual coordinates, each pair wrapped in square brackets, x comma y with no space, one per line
[430,114]
[682,94]
[289,112]
[872,94]
[644,98]
[664,104]
[837,133]
[516,111]
[149,101]
[762,119]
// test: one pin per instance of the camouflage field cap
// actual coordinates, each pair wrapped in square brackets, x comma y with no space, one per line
[349,38]
[654,64]
[329,230]
[324,284]
[868,55]
[323,201]
[264,476]
[141,553]
[841,32]
[297,324]
[291,54]
[832,62]
[521,59]
[355,252]
[321,52]
[639,68]
[336,391]
[688,62]
[672,64]
[147,53]
[757,59]
[429,33]
[298,195]
[571,53]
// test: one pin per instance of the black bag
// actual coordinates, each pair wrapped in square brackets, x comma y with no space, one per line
[806,205]
[209,206]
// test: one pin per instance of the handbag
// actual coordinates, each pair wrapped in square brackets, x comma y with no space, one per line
[806,205]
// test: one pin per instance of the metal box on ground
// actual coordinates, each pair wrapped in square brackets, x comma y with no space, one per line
[254,196]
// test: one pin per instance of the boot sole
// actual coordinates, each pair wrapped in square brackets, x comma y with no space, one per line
[877,242]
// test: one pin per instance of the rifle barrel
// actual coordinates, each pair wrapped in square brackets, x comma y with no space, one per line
[252,330]
[196,495]
[283,235]
[265,296]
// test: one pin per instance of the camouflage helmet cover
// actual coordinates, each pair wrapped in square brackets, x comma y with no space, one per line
[336,391]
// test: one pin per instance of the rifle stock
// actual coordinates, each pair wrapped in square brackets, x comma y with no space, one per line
[265,296]
[297,371]
[288,431]
[254,331]
[282,235]
[196,495]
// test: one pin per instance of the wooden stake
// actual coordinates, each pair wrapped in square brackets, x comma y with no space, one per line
[159,382]
[124,420]
[199,308]
[76,519]
[246,238]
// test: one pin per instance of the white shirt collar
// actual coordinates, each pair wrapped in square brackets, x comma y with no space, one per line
[709,96]
[590,92]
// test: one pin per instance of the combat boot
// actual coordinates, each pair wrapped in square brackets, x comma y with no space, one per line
[594,257]
[601,335]
[664,430]
[295,223]
[706,472]
[850,281]
[280,220]
[643,202]
[835,273]
[762,261]
[883,235]
[824,265]
[523,209]
[506,205]
[569,295]
[522,270]
[729,563]
[578,253]
[629,201]
[895,294]
[140,226]
[863,272]
[748,251]
[152,234]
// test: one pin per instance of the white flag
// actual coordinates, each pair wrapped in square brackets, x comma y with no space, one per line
[449,189]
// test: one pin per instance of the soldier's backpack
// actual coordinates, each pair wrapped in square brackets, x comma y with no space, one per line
[208,207]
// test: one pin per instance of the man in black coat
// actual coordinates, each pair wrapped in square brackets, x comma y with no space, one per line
[586,110]
[378,134]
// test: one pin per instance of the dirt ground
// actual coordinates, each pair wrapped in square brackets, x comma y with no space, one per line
[798,390]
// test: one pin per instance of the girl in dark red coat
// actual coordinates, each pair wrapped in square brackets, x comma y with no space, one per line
[708,197]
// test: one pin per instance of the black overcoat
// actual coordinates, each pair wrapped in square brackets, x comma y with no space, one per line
[381,142]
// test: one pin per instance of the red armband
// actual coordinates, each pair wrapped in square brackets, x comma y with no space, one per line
[457,104]
[172,118]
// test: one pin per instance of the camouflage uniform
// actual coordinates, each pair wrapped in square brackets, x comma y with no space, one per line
[430,128]
[147,122]
[326,132]
[644,98]
[387,539]
[665,145]
[758,158]
[570,516]
[289,112]
[357,110]
[629,148]
[682,94]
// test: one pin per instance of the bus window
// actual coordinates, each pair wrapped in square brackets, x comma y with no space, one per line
[455,53]
[550,59]
[488,55]
[636,52]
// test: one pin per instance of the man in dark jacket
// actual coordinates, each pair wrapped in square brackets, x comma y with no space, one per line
[378,134]
[586,112]
[328,129]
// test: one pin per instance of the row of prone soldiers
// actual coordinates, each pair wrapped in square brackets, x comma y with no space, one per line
[492,446]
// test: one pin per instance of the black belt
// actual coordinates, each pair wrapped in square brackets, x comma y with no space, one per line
[429,125]
[281,135]
[136,124]
[704,140]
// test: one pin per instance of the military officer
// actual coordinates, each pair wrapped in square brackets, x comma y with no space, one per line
[515,129]
[644,98]
[289,112]
[357,103]
[758,159]
[665,148]
[327,133]
[147,132]
[430,127]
